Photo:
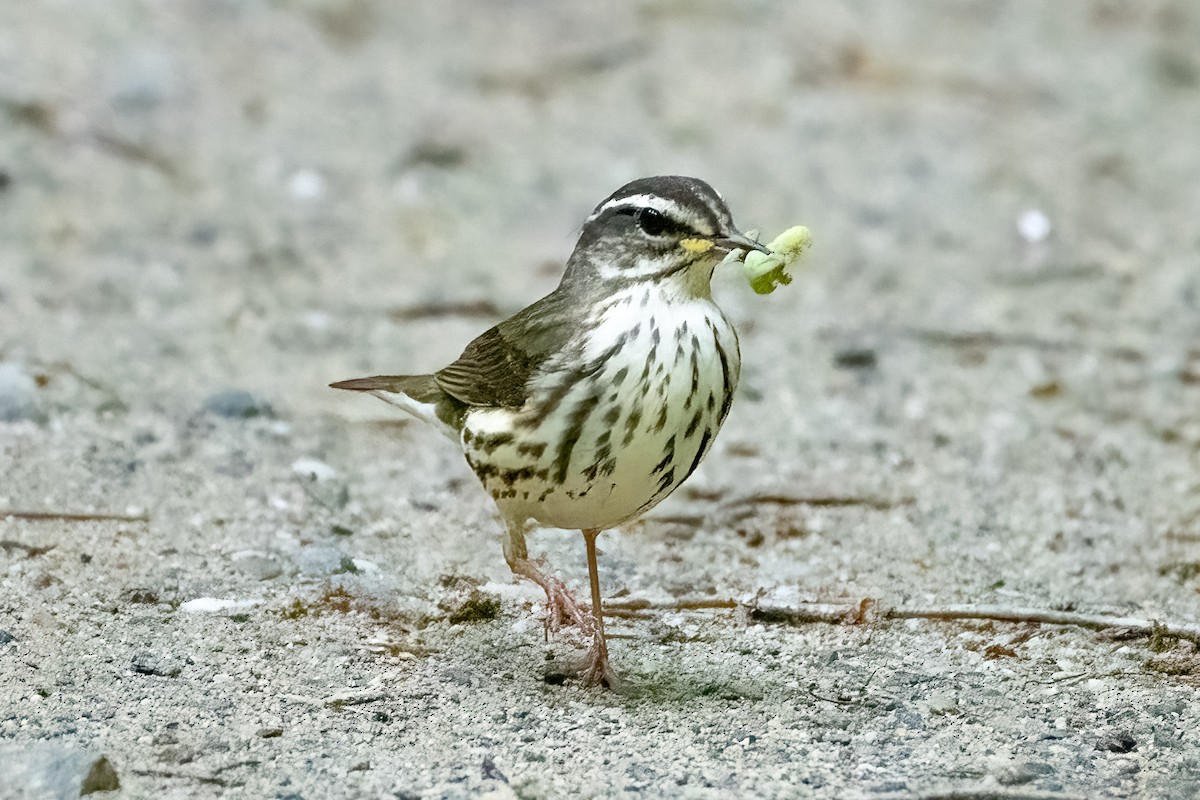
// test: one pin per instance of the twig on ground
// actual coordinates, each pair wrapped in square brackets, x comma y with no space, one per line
[992,339]
[637,608]
[31,551]
[680,604]
[167,773]
[432,310]
[831,613]
[65,367]
[67,516]
[1099,622]
[834,700]
[823,501]
[977,793]
[856,613]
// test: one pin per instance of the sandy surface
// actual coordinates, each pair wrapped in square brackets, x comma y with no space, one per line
[210,209]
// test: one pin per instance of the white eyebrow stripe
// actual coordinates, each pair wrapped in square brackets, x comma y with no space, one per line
[657,202]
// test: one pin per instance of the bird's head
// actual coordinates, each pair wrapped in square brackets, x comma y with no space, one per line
[662,228]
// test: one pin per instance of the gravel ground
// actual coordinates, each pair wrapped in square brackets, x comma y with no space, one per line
[983,389]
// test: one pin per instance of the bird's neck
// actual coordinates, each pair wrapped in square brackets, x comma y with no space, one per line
[647,277]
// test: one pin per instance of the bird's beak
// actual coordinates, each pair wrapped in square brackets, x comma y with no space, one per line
[738,241]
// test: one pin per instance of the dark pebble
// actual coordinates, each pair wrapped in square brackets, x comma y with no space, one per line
[237,404]
[19,398]
[478,607]
[1120,742]
[856,358]
[54,770]
[491,772]
[270,733]
[100,778]
[6,637]
[150,664]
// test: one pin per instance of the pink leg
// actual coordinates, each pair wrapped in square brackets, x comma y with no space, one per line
[561,606]
[597,670]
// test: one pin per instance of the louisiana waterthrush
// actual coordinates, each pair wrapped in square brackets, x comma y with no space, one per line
[592,405]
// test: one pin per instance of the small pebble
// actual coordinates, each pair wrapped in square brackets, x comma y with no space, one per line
[54,770]
[19,398]
[257,565]
[306,184]
[6,637]
[314,469]
[151,664]
[237,404]
[142,80]
[1119,742]
[855,358]
[210,605]
[317,561]
[1034,226]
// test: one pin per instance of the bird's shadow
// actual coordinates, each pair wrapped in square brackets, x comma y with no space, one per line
[658,686]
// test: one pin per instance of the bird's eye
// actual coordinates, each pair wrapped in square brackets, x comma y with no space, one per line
[651,221]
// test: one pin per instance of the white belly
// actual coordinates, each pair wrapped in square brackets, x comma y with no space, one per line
[594,451]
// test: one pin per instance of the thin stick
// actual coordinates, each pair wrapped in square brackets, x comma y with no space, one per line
[681,604]
[823,501]
[65,516]
[977,793]
[1143,627]
[992,339]
[831,613]
[859,612]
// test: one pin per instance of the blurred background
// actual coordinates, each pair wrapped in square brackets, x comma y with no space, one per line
[264,186]
[987,370]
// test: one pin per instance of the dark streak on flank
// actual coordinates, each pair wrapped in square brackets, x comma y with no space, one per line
[705,440]
[644,381]
[726,379]
[534,449]
[563,389]
[579,415]
[489,442]
[662,419]
[668,478]
[695,372]
[631,424]
[694,424]
[668,457]
[511,476]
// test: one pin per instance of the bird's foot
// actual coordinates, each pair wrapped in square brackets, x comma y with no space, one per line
[562,609]
[596,669]
[561,606]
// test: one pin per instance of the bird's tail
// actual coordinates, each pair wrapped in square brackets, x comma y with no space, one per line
[419,395]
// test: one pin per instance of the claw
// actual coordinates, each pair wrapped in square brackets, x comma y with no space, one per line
[596,669]
[561,606]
